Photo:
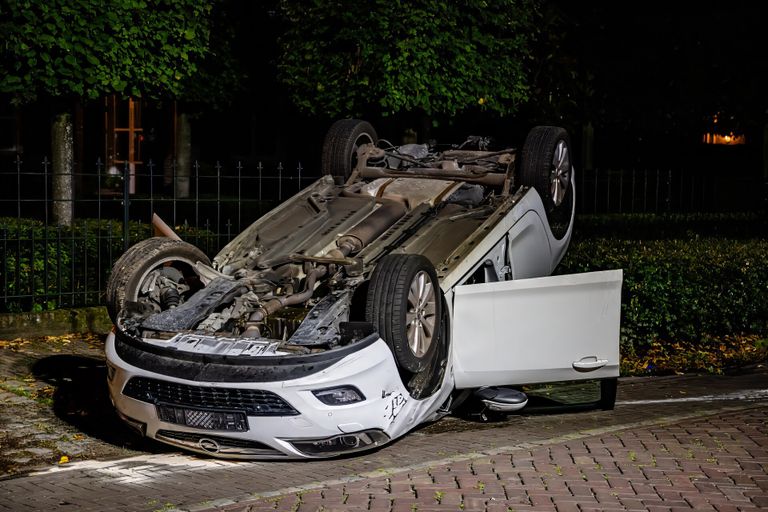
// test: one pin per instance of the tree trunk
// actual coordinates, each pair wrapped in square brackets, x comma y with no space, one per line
[62,147]
[183,155]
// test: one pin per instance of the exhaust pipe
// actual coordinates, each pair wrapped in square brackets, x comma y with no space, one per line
[372,227]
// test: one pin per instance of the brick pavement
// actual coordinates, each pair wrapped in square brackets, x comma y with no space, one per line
[172,479]
[716,463]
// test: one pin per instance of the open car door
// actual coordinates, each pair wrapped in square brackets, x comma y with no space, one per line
[545,329]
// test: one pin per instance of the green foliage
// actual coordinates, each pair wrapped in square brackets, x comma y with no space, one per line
[45,268]
[685,289]
[342,58]
[90,48]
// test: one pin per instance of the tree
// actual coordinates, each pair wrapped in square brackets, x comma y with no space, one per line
[90,48]
[428,56]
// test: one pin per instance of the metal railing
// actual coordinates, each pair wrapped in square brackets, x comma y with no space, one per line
[47,265]
[667,191]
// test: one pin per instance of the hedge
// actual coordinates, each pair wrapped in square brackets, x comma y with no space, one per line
[694,278]
[691,289]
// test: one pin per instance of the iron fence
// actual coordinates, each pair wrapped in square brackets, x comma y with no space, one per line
[46,265]
[667,191]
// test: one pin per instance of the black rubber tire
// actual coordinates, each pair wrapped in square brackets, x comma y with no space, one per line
[536,171]
[340,146]
[129,269]
[608,389]
[387,305]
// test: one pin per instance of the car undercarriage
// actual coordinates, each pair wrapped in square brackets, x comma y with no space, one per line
[351,312]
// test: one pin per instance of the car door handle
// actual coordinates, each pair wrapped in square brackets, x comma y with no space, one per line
[589,363]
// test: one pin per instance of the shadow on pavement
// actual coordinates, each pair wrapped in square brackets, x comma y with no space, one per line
[82,399]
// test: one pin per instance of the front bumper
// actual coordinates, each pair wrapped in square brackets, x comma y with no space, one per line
[309,428]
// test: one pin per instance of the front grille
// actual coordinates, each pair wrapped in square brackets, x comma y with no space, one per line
[234,421]
[226,445]
[253,402]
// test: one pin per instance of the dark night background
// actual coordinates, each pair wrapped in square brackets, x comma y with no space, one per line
[646,77]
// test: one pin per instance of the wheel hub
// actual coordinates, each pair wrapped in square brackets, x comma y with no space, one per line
[420,318]
[560,175]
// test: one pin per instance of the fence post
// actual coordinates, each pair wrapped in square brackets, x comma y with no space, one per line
[594,207]
[84,241]
[46,163]
[280,181]
[18,186]
[645,190]
[218,202]
[32,287]
[99,166]
[669,190]
[4,233]
[197,194]
[621,190]
[239,188]
[260,168]
[126,205]
[151,167]
[299,169]
[173,186]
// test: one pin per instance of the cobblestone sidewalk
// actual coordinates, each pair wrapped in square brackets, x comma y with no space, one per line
[717,463]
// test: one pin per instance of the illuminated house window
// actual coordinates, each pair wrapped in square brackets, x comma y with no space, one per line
[723,132]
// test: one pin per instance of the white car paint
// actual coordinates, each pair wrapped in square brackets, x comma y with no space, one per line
[509,332]
[537,330]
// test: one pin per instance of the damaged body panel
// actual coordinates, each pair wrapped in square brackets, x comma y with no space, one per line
[364,305]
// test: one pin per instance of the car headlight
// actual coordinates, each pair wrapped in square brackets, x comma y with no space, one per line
[341,395]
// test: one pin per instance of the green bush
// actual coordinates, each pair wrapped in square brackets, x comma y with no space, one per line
[45,267]
[682,289]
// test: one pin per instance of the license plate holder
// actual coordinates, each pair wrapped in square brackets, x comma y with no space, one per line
[206,419]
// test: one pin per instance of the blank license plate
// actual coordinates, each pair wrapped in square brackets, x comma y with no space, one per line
[233,421]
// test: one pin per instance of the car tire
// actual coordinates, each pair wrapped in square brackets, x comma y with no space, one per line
[139,260]
[404,305]
[546,166]
[345,136]
[608,389]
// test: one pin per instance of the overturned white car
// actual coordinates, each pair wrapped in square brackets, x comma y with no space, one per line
[406,280]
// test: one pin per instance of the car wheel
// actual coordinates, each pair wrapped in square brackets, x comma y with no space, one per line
[345,136]
[608,389]
[547,166]
[166,262]
[405,306]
